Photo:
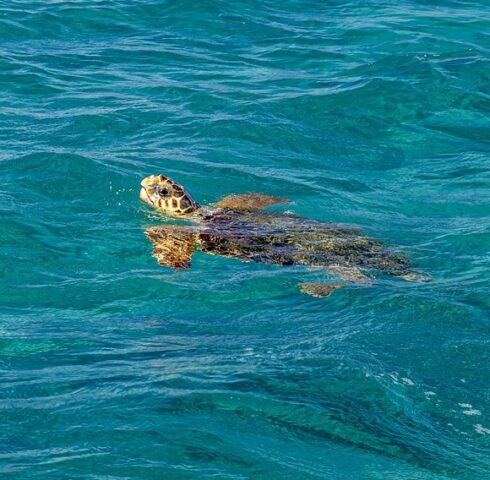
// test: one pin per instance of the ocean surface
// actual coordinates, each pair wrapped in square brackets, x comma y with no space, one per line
[368,113]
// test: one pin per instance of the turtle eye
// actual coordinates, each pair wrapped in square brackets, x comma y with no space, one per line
[163,192]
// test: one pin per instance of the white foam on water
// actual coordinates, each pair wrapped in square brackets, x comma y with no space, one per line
[479,428]
[473,411]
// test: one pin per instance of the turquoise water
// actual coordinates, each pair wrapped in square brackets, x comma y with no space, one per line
[369,113]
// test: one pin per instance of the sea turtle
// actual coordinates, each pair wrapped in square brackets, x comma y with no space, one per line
[239,227]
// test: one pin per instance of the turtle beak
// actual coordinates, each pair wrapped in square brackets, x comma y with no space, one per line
[146,192]
[144,196]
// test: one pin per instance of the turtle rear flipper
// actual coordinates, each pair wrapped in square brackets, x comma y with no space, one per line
[350,274]
[317,289]
[173,246]
[412,276]
[249,201]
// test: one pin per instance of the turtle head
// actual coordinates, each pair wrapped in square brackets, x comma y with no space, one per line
[167,196]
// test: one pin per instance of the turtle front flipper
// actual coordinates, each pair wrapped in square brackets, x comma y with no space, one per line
[173,246]
[249,202]
[317,289]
